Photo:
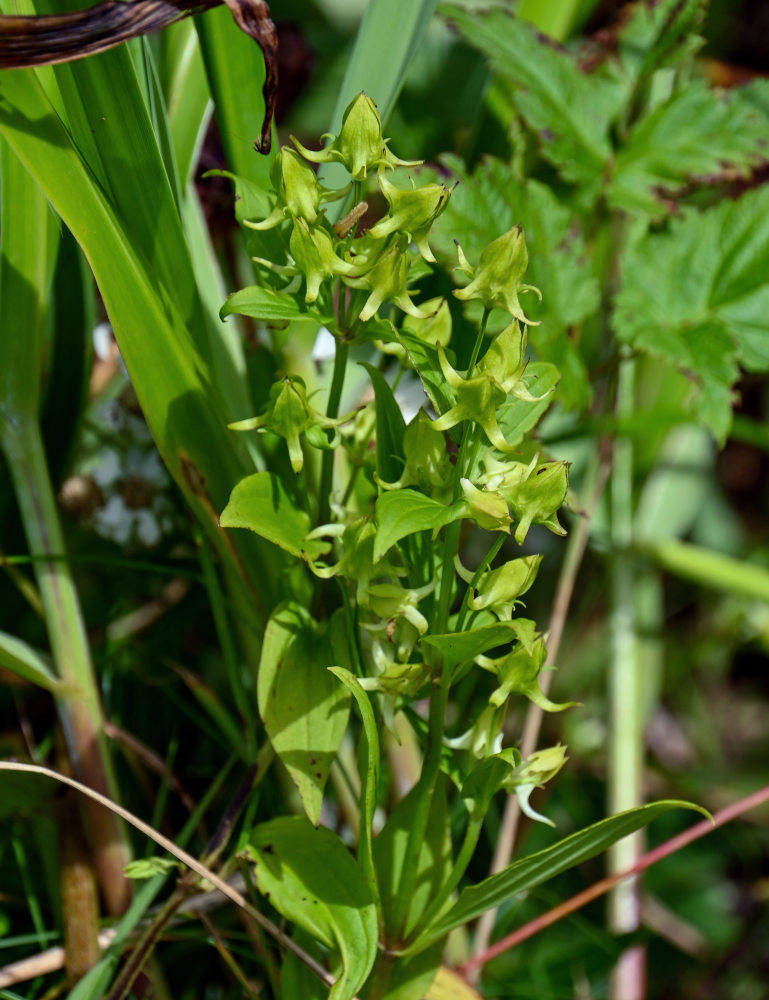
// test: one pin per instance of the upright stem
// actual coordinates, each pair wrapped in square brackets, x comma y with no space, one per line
[625,703]
[332,411]
[80,712]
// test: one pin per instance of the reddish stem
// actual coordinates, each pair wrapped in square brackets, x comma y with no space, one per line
[599,888]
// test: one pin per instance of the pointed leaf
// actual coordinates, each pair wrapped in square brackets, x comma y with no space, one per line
[404,512]
[538,868]
[265,304]
[457,648]
[303,708]
[312,879]
[390,428]
[261,504]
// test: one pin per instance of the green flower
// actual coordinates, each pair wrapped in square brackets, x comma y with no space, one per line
[518,673]
[533,492]
[412,212]
[387,282]
[478,399]
[359,146]
[535,772]
[298,190]
[496,281]
[315,257]
[289,415]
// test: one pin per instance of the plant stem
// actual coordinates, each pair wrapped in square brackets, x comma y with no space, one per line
[625,703]
[80,713]
[332,410]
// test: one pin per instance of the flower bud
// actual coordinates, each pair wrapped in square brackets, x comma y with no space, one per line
[412,212]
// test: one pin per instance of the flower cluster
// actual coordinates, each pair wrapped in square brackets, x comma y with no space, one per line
[379,261]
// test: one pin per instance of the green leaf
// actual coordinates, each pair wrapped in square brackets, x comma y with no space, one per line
[312,879]
[27,662]
[486,203]
[659,34]
[265,304]
[369,775]
[303,708]
[390,428]
[535,869]
[570,111]
[696,297]
[261,504]
[696,135]
[435,856]
[457,648]
[404,512]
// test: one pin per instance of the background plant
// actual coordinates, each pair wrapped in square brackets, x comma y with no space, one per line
[594,192]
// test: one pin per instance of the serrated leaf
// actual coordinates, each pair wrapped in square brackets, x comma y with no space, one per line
[659,34]
[457,648]
[695,134]
[313,880]
[261,504]
[571,112]
[390,428]
[265,304]
[696,296]
[404,512]
[303,708]
[435,859]
[531,871]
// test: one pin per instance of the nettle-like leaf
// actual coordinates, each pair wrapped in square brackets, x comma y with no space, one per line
[488,201]
[570,111]
[657,34]
[303,707]
[312,879]
[692,138]
[696,297]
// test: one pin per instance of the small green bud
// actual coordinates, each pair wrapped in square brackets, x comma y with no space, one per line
[496,282]
[297,188]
